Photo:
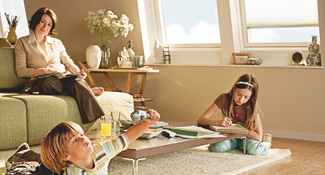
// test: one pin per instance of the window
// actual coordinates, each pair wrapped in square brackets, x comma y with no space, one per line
[13,8]
[278,21]
[189,22]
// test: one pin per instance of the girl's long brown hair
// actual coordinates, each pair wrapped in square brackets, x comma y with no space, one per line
[251,105]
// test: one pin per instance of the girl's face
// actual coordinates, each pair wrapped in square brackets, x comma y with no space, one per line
[44,26]
[241,96]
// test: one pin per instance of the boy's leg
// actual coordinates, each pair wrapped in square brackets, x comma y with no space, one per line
[223,146]
[253,147]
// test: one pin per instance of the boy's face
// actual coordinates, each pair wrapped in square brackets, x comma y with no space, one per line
[79,147]
[241,96]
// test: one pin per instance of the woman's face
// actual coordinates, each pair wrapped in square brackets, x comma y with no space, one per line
[241,96]
[44,26]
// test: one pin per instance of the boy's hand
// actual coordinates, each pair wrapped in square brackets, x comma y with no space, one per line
[154,116]
[137,130]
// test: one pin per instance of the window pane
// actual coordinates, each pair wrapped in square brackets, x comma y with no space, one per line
[190,21]
[271,35]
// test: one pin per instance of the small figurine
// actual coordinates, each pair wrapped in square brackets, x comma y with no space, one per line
[130,62]
[314,56]
[254,61]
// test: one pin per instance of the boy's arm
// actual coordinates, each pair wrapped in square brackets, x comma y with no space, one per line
[137,130]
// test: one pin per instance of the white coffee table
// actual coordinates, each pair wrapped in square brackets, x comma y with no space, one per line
[142,148]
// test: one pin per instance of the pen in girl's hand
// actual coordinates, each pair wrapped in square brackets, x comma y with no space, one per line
[225,114]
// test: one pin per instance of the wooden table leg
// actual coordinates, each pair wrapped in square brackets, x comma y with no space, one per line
[143,85]
[110,81]
[128,83]
[90,78]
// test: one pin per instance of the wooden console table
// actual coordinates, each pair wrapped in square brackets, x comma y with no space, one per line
[137,97]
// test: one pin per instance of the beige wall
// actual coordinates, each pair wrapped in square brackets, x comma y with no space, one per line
[72,25]
[292,100]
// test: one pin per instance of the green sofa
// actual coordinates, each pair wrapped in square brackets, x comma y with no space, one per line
[28,117]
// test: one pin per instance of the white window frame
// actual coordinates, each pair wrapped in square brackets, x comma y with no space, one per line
[242,13]
[15,10]
[231,41]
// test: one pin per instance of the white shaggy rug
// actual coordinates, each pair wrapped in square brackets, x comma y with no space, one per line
[197,161]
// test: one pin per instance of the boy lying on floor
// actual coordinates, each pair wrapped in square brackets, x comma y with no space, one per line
[66,150]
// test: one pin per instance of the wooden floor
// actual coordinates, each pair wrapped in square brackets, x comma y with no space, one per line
[307,157]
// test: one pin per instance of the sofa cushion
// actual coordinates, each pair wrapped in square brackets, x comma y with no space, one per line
[117,101]
[9,79]
[12,123]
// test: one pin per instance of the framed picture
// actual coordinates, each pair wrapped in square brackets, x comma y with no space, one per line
[240,58]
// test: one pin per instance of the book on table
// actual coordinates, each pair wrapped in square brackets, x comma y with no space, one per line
[193,132]
[234,128]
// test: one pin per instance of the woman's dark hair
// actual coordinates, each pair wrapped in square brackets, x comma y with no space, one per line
[37,17]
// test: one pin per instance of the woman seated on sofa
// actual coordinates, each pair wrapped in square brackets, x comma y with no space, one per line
[40,53]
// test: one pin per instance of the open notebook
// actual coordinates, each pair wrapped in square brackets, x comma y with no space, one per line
[193,132]
[234,128]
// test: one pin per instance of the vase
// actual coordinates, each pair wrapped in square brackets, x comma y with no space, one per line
[93,56]
[106,57]
[12,37]
[313,56]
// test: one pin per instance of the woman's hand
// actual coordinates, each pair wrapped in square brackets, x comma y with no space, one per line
[43,71]
[226,121]
[82,74]
[154,116]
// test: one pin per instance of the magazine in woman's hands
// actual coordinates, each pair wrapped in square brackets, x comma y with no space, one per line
[33,80]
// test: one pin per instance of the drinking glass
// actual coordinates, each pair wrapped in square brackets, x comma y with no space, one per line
[115,123]
[106,126]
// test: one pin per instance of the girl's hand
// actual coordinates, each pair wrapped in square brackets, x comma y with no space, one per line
[154,116]
[226,122]
[43,71]
[82,74]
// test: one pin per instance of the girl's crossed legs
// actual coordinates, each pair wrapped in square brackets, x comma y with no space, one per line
[253,147]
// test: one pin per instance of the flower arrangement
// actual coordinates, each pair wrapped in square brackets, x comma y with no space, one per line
[106,25]
[12,21]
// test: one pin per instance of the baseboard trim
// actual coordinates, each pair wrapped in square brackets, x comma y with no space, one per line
[299,136]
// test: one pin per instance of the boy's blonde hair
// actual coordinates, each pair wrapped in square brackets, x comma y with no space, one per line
[246,81]
[53,149]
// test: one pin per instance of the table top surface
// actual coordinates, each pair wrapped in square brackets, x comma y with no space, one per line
[126,70]
[142,148]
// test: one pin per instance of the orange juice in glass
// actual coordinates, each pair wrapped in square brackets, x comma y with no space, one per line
[106,126]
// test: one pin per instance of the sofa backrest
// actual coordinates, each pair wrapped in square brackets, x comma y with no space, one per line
[8,77]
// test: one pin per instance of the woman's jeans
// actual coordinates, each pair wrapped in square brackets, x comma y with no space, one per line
[253,147]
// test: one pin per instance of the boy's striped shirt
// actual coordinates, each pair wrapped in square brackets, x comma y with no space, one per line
[102,154]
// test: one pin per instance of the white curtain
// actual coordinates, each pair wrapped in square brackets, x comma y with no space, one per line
[281,13]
